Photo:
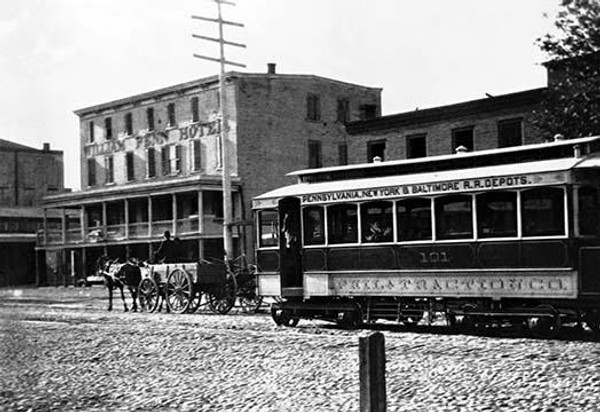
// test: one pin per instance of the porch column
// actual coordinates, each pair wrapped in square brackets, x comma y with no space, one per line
[104,220]
[174,213]
[45,224]
[126,214]
[150,216]
[63,225]
[82,223]
[200,213]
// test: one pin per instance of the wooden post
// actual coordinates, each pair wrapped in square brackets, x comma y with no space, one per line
[372,373]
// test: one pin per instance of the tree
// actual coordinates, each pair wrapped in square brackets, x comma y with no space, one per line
[571,103]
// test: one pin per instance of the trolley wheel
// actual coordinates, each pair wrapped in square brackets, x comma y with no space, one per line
[592,320]
[222,300]
[180,291]
[283,317]
[148,295]
[412,317]
[250,304]
[544,326]
[350,319]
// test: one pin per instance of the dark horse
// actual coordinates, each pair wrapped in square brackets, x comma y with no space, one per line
[121,275]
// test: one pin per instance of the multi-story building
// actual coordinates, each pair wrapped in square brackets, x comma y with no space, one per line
[26,176]
[152,162]
[496,121]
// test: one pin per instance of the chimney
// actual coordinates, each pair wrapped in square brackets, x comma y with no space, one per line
[46,147]
[559,137]
[461,149]
[271,68]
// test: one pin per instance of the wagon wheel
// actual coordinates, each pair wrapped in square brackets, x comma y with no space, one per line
[180,291]
[195,303]
[544,327]
[221,300]
[148,295]
[250,304]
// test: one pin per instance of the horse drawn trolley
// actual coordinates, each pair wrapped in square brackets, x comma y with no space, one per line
[185,287]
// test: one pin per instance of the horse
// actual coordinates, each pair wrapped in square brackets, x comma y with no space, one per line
[121,275]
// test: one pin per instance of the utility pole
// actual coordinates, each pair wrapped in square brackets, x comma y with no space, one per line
[225,143]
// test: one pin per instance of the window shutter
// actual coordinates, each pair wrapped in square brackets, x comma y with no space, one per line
[196,160]
[151,162]
[177,158]
[165,161]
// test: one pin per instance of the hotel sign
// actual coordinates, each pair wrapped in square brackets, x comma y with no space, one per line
[145,139]
[434,188]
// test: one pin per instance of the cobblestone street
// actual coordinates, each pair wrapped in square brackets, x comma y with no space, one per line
[61,350]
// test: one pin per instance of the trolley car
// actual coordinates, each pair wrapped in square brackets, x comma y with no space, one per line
[509,234]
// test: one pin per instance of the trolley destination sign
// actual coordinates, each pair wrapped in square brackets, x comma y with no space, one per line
[433,188]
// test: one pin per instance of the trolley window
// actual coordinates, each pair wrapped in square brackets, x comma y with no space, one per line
[588,211]
[543,212]
[414,219]
[314,228]
[269,228]
[453,217]
[497,214]
[342,224]
[377,221]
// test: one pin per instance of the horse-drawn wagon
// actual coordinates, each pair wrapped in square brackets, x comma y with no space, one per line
[185,287]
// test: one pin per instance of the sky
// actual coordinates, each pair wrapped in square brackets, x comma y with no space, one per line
[57,56]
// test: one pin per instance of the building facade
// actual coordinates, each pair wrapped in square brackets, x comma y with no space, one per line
[496,121]
[152,162]
[26,176]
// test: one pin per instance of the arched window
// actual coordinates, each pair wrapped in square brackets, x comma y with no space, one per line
[342,224]
[454,217]
[497,214]
[543,212]
[377,221]
[414,219]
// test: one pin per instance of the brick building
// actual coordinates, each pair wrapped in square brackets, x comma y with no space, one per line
[152,162]
[26,176]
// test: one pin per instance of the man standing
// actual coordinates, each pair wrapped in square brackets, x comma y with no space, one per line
[166,251]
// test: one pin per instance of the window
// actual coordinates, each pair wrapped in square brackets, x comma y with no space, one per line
[375,149]
[91,172]
[377,222]
[128,124]
[416,146]
[108,128]
[588,211]
[268,228]
[130,166]
[342,224]
[414,219]
[497,214]
[343,110]
[453,217]
[314,154]
[543,212]
[314,225]
[195,110]
[462,137]
[212,203]
[342,154]
[368,111]
[91,137]
[510,133]
[196,155]
[151,162]
[109,169]
[165,160]
[171,115]
[150,118]
[313,107]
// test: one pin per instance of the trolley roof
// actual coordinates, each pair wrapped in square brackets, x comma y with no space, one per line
[491,177]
